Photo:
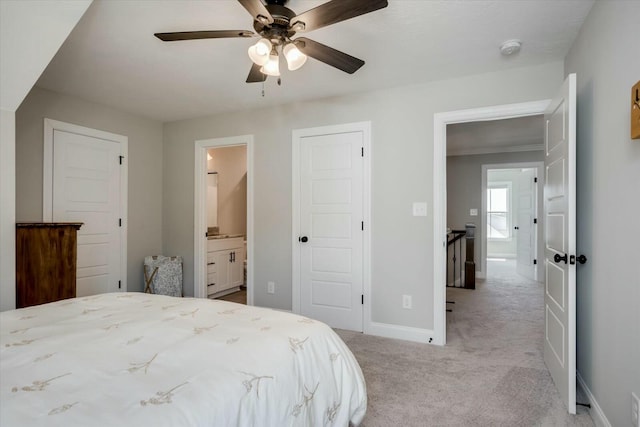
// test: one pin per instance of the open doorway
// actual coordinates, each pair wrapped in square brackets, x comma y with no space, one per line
[223,223]
[512,218]
[227,223]
[493,213]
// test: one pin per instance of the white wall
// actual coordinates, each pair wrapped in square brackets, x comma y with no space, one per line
[402,133]
[7,211]
[606,60]
[31,32]
[145,167]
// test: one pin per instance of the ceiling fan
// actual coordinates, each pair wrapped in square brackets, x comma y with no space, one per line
[276,25]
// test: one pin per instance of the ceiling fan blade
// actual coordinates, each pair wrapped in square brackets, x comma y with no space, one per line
[255,75]
[334,11]
[329,55]
[195,35]
[258,10]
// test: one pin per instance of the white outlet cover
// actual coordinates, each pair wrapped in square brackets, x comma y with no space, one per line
[473,212]
[419,208]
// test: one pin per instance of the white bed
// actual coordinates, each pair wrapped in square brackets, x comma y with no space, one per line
[147,360]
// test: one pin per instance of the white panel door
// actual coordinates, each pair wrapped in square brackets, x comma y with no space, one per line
[560,241]
[526,242]
[86,188]
[331,214]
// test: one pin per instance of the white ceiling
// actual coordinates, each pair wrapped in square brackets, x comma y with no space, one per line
[112,57]
[496,136]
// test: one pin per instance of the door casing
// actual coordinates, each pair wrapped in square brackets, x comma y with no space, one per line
[440,122]
[50,126]
[539,166]
[200,212]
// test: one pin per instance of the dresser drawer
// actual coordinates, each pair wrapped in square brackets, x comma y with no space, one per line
[212,268]
[212,289]
[212,278]
[211,257]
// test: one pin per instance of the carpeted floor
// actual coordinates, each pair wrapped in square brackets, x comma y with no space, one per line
[490,373]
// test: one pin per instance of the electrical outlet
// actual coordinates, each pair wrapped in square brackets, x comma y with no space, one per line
[473,212]
[635,410]
[271,288]
[406,301]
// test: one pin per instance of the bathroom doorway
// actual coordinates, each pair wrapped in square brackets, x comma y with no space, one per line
[223,226]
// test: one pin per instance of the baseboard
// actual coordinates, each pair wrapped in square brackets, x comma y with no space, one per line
[399,332]
[599,419]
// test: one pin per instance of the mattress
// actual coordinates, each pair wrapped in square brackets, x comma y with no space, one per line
[133,359]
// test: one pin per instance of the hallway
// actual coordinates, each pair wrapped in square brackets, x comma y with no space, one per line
[490,373]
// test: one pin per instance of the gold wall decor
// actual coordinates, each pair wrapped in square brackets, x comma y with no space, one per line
[635,111]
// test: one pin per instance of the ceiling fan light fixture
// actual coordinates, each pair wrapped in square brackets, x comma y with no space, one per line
[295,58]
[272,66]
[259,52]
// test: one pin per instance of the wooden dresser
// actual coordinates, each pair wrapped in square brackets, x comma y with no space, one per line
[46,256]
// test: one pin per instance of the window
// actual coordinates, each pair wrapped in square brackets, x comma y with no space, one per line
[499,211]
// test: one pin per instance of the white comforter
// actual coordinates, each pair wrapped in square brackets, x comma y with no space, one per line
[147,360]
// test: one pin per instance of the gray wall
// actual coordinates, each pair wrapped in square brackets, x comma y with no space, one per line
[402,132]
[464,191]
[606,60]
[145,167]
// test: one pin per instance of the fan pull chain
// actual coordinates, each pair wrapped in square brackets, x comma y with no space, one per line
[263,88]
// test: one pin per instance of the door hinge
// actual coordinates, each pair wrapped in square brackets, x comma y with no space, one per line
[362,151]
[535,179]
[119,222]
[362,299]
[535,220]
[362,225]
[121,157]
[119,284]
[535,262]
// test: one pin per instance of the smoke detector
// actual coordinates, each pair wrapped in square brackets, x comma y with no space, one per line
[510,47]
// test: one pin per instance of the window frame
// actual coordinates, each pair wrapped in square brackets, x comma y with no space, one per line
[508,185]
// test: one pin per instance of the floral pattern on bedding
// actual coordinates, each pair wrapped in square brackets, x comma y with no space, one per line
[137,359]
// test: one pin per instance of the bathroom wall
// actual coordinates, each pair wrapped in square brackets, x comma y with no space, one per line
[230,163]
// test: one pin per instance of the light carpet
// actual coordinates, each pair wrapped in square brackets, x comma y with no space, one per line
[490,373]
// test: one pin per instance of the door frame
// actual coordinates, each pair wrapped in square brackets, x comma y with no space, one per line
[297,135]
[440,122]
[539,167]
[50,126]
[200,212]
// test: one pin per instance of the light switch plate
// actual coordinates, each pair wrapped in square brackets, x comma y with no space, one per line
[473,212]
[419,209]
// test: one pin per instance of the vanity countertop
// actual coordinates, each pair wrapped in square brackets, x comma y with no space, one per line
[224,236]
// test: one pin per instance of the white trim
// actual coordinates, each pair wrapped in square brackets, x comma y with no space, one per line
[495,150]
[297,134]
[440,122]
[200,217]
[50,126]
[596,412]
[400,332]
[539,167]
